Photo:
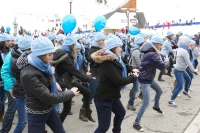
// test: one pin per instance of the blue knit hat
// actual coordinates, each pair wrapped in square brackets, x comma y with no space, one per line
[86,41]
[78,37]
[138,40]
[113,41]
[192,37]
[179,33]
[60,37]
[143,35]
[24,42]
[157,39]
[4,37]
[42,46]
[124,37]
[192,42]
[16,39]
[11,37]
[70,40]
[78,45]
[99,36]
[169,33]
[51,36]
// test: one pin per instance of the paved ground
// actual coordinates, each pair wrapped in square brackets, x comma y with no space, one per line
[175,120]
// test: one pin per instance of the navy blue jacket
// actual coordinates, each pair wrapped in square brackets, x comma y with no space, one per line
[150,60]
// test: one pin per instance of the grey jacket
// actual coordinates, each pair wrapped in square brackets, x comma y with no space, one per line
[183,60]
[135,60]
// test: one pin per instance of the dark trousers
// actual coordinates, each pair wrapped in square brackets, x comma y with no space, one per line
[36,122]
[67,105]
[170,65]
[104,111]
[9,115]
[196,63]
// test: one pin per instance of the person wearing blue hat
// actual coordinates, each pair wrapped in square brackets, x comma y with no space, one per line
[135,62]
[60,40]
[52,37]
[13,88]
[41,89]
[182,77]
[64,60]
[87,45]
[150,61]
[96,44]
[167,52]
[176,38]
[4,50]
[111,81]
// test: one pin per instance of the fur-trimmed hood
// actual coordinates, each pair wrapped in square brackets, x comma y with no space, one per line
[58,61]
[101,58]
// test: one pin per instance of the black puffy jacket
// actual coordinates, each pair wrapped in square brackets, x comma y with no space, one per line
[17,88]
[38,90]
[65,69]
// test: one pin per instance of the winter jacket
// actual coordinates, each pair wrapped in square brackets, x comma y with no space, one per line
[135,60]
[17,88]
[6,74]
[65,69]
[150,60]
[37,88]
[93,65]
[110,77]
[166,48]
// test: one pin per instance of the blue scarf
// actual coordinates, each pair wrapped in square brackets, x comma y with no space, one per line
[79,60]
[185,47]
[46,68]
[96,45]
[118,58]
[126,47]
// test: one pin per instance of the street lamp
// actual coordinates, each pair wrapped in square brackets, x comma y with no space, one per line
[70,1]
[128,10]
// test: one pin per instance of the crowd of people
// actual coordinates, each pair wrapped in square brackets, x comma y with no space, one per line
[41,72]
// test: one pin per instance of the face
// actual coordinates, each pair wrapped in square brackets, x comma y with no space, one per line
[101,42]
[61,42]
[47,58]
[8,44]
[193,46]
[12,43]
[80,41]
[118,50]
[125,41]
[171,37]
[158,46]
[78,50]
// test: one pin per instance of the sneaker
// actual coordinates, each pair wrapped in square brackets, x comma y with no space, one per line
[187,94]
[169,75]
[138,127]
[158,110]
[162,80]
[172,104]
[131,107]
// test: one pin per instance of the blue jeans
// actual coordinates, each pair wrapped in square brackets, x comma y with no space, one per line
[133,93]
[2,101]
[36,122]
[92,87]
[189,72]
[9,115]
[155,86]
[104,111]
[180,78]
[22,115]
[146,98]
[146,88]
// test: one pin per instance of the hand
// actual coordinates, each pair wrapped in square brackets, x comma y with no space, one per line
[58,87]
[88,74]
[196,70]
[11,92]
[75,90]
[166,58]
[136,70]
[136,74]
[94,78]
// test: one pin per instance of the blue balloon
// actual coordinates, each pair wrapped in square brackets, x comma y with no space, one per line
[134,31]
[99,23]
[8,29]
[68,23]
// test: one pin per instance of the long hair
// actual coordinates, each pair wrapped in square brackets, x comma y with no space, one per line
[3,47]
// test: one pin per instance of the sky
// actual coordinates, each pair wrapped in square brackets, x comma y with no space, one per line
[87,10]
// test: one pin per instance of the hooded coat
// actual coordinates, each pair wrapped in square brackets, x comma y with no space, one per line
[110,77]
